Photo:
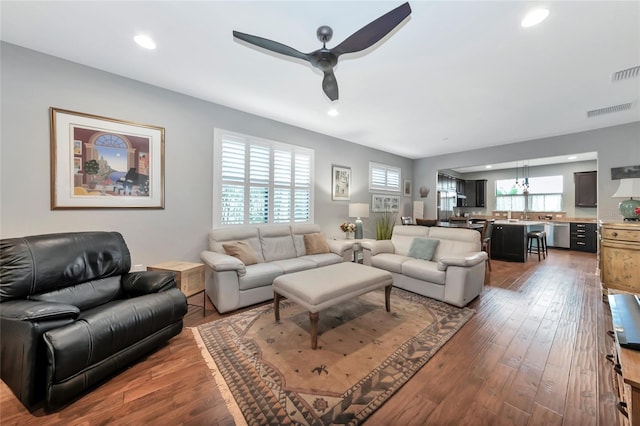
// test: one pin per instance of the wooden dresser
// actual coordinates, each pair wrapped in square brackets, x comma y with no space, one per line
[625,375]
[620,256]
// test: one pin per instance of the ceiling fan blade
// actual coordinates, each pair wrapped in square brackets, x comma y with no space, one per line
[372,33]
[270,45]
[330,85]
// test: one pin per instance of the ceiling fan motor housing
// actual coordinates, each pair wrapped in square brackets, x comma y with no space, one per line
[324,33]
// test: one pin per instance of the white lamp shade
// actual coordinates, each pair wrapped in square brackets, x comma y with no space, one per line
[628,188]
[358,210]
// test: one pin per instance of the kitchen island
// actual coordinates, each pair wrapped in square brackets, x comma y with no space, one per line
[509,239]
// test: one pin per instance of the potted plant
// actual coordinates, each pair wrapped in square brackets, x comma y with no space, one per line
[91,168]
[385,222]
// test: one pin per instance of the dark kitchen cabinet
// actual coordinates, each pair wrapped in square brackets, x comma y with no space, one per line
[583,237]
[508,242]
[481,192]
[462,199]
[475,190]
[586,189]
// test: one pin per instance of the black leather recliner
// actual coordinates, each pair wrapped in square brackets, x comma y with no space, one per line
[71,313]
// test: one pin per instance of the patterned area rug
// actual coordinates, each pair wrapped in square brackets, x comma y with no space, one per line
[267,371]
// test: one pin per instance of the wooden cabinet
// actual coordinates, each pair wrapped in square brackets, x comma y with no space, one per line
[475,190]
[189,275]
[481,192]
[586,189]
[583,237]
[508,242]
[620,256]
[626,381]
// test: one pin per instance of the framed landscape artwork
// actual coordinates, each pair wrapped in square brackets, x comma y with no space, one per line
[385,203]
[100,162]
[340,183]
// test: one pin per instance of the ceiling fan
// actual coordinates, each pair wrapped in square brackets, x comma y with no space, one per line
[325,59]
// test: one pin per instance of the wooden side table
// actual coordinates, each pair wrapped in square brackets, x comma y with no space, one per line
[189,278]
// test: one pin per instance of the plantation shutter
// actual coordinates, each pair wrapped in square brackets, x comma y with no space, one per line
[261,181]
[384,178]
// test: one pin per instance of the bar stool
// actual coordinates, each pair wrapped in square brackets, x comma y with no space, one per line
[541,243]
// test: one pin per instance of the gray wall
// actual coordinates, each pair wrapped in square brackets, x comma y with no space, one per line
[616,146]
[33,82]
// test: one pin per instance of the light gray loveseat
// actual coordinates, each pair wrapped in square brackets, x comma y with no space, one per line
[454,275]
[279,249]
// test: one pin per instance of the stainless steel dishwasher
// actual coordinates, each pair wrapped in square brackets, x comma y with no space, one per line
[558,234]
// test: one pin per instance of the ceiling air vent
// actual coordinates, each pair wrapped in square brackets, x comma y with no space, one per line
[625,74]
[609,110]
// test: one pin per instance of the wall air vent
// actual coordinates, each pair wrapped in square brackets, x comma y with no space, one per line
[625,74]
[609,110]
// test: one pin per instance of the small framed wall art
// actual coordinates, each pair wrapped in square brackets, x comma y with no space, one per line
[340,183]
[385,203]
[406,188]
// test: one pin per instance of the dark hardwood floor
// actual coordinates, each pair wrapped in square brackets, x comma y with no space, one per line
[533,354]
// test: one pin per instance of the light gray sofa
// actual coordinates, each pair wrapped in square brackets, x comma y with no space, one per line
[455,275]
[279,249]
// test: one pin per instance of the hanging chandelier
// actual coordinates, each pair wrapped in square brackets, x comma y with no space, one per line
[524,185]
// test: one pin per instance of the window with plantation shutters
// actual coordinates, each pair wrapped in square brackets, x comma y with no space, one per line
[384,178]
[257,181]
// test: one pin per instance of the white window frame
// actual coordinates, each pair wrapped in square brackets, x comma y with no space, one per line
[219,136]
[524,201]
[391,174]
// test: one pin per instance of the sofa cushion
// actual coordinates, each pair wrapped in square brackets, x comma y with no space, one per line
[218,236]
[241,250]
[323,259]
[86,295]
[294,265]
[315,243]
[423,270]
[403,237]
[389,262]
[423,248]
[259,275]
[298,232]
[277,243]
[455,241]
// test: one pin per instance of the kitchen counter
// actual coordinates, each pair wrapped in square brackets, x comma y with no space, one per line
[517,222]
[534,217]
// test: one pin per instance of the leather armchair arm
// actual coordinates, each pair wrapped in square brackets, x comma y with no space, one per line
[220,262]
[378,246]
[33,310]
[464,261]
[147,282]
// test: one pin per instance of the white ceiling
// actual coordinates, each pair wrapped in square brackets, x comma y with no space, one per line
[454,76]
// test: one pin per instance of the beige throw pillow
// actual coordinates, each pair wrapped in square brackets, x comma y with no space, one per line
[242,250]
[315,243]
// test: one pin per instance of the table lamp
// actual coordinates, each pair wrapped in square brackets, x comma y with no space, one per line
[358,210]
[628,188]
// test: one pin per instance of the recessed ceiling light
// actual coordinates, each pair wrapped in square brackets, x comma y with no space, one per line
[145,41]
[573,157]
[488,166]
[332,112]
[534,17]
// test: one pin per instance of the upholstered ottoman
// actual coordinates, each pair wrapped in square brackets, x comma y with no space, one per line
[321,288]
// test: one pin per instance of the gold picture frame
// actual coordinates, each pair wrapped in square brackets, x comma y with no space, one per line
[104,163]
